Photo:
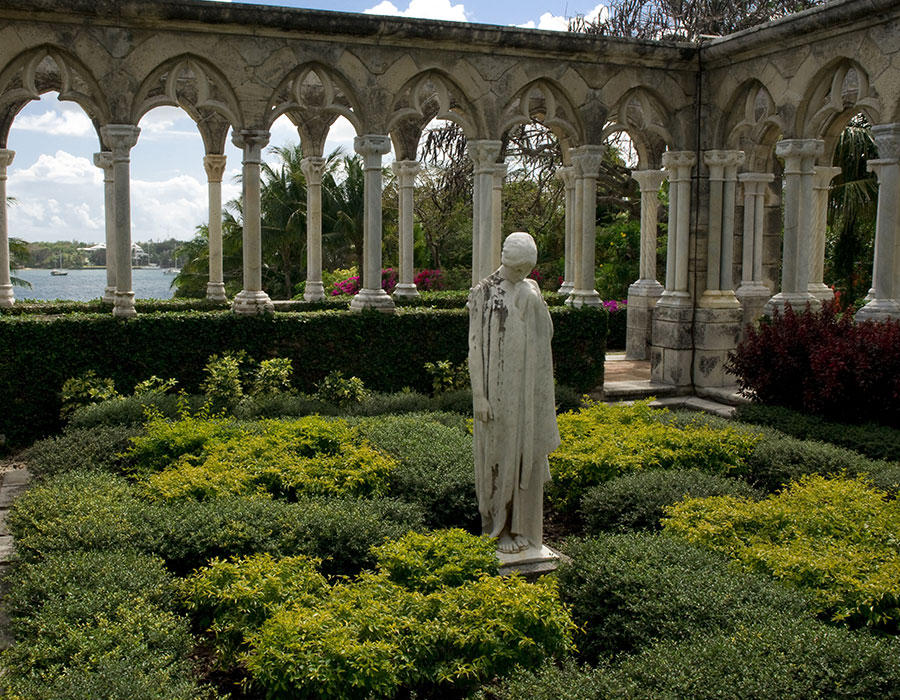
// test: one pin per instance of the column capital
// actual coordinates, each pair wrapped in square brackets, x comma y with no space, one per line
[251,142]
[484,154]
[406,171]
[214,163]
[878,166]
[823,175]
[587,160]
[721,162]
[887,139]
[6,158]
[371,147]
[104,161]
[567,174]
[679,164]
[500,170]
[649,180]
[790,149]
[120,138]
[313,168]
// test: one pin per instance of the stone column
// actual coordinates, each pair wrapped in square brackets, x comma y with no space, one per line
[406,171]
[717,319]
[313,168]
[567,175]
[753,293]
[587,161]
[671,345]
[886,272]
[103,160]
[497,214]
[121,138]
[822,177]
[799,162]
[371,296]
[7,298]
[484,155]
[252,299]
[644,293]
[215,169]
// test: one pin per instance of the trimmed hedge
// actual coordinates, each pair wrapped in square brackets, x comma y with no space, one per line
[388,352]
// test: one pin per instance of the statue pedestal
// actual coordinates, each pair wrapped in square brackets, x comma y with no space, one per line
[531,563]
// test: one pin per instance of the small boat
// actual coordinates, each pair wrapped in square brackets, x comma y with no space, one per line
[58,271]
[171,271]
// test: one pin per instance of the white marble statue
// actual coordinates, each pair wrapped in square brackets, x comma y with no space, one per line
[512,394]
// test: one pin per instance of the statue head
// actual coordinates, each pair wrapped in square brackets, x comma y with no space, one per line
[519,250]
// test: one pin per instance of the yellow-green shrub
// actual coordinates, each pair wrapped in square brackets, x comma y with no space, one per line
[273,458]
[836,538]
[602,441]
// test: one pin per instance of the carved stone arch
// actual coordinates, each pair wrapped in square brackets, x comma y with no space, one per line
[433,95]
[546,102]
[837,92]
[642,114]
[198,87]
[44,69]
[752,124]
[312,97]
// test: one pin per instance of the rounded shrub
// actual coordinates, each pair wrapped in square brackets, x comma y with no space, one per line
[100,448]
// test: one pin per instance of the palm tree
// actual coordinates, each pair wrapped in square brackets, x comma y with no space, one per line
[17,249]
[343,208]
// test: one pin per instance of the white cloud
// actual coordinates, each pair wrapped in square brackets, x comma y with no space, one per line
[62,168]
[169,208]
[425,9]
[557,23]
[167,122]
[63,122]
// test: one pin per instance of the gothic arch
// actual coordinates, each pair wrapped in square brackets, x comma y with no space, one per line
[433,95]
[642,115]
[44,69]
[837,92]
[547,102]
[752,124]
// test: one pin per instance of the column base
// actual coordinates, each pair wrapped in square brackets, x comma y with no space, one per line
[315,291]
[256,302]
[372,299]
[798,301]
[671,349]
[821,291]
[215,291]
[109,295]
[717,332]
[406,291]
[584,297]
[753,297]
[675,300]
[7,298]
[879,310]
[642,298]
[719,299]
[124,305]
[566,288]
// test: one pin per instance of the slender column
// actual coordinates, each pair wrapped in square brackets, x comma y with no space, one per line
[313,168]
[822,177]
[372,147]
[252,299]
[7,298]
[678,165]
[799,160]
[215,169]
[587,161]
[723,167]
[406,171]
[484,155]
[886,273]
[567,175]
[121,138]
[103,160]
[497,214]
[753,292]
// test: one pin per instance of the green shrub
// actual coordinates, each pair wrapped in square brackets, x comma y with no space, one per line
[273,376]
[344,391]
[446,376]
[635,501]
[886,477]
[835,538]
[628,590]
[100,448]
[133,410]
[428,562]
[873,441]
[223,385]
[155,385]
[603,441]
[85,390]
[435,468]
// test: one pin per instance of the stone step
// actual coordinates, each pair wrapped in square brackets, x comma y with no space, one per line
[633,390]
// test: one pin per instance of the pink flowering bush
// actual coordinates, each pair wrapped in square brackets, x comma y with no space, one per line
[351,285]
[614,305]
[429,281]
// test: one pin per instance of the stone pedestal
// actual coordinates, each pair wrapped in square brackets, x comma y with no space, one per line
[532,563]
[671,351]
[642,298]
[717,332]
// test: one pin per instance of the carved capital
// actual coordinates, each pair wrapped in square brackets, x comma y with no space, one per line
[104,161]
[371,147]
[587,160]
[484,155]
[722,164]
[313,168]
[823,175]
[251,142]
[887,139]
[649,180]
[679,164]
[567,175]
[215,166]
[6,159]
[120,139]
[406,171]
[796,151]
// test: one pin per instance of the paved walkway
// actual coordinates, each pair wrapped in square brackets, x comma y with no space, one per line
[13,480]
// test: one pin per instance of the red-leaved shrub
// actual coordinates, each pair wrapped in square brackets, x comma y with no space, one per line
[823,362]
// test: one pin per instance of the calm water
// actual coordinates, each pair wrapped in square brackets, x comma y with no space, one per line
[84,285]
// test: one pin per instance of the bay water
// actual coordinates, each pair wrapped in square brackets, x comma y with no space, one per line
[84,285]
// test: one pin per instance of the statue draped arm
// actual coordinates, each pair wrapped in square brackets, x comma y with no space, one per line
[481,406]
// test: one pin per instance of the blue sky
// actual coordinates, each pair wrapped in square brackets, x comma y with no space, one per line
[59,192]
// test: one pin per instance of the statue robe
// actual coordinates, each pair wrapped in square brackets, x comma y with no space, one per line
[509,347]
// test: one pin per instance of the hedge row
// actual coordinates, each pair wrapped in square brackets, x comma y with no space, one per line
[388,352]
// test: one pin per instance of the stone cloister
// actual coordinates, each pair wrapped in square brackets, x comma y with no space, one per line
[742,127]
